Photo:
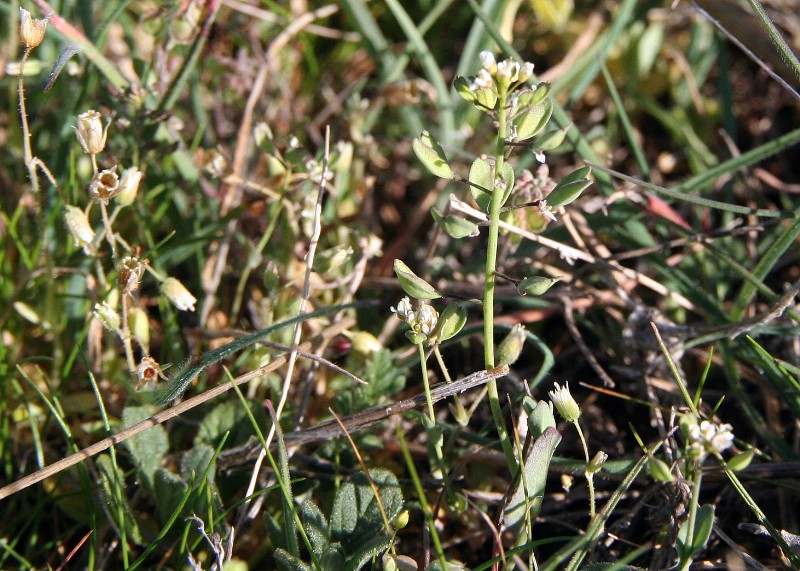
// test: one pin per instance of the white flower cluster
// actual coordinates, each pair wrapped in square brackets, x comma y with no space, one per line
[422,320]
[709,437]
[508,72]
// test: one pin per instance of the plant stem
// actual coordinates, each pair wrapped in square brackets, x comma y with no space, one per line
[690,523]
[426,383]
[489,279]
[589,475]
[461,414]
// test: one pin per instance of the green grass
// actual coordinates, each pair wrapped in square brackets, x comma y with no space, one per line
[235,114]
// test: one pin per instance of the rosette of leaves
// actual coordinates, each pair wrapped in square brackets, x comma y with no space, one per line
[357,530]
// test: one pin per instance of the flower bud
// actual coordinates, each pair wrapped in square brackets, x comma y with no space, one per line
[129,186]
[31,30]
[91,133]
[79,227]
[511,347]
[178,294]
[104,185]
[488,62]
[597,462]
[526,71]
[139,325]
[565,404]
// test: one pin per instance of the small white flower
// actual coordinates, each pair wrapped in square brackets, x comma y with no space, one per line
[708,437]
[482,81]
[488,62]
[508,69]
[565,404]
[539,156]
[177,293]
[526,71]
[404,310]
[426,318]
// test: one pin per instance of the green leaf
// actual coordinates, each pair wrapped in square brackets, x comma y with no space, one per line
[112,488]
[316,528]
[541,418]
[147,448]
[355,517]
[570,187]
[552,14]
[526,500]
[432,155]
[168,490]
[289,562]
[455,226]
[690,541]
[196,462]
[530,122]
[365,552]
[412,284]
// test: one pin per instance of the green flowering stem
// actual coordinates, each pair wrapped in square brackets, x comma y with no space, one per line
[489,279]
[461,414]
[435,436]
[589,474]
[686,556]
[426,383]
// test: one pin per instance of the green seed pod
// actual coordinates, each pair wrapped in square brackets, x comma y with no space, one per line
[416,338]
[402,519]
[537,285]
[412,284]
[597,462]
[430,152]
[741,460]
[659,471]
[451,322]
[511,347]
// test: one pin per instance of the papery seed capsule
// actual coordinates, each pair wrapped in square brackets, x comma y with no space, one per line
[31,30]
[90,132]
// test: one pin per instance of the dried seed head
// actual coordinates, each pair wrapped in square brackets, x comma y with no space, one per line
[130,274]
[104,185]
[148,373]
[90,132]
[177,293]
[31,30]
